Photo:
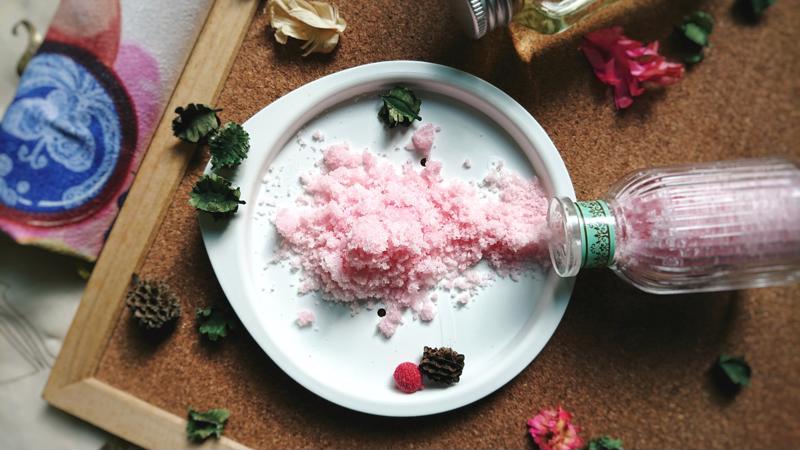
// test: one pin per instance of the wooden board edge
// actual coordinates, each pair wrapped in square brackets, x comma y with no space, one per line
[128,417]
[150,195]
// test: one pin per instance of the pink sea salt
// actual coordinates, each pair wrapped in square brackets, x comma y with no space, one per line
[422,139]
[367,229]
[305,318]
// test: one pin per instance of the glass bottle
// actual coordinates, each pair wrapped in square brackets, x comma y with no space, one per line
[689,228]
[478,17]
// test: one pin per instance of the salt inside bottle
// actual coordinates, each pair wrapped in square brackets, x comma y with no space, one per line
[689,228]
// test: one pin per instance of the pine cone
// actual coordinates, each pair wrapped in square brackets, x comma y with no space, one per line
[443,365]
[152,304]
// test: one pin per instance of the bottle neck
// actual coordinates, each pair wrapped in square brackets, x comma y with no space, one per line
[582,234]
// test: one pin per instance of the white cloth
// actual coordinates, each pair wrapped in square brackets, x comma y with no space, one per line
[39,294]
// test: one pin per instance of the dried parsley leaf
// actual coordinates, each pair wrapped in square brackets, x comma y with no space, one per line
[214,323]
[400,107]
[195,122]
[755,8]
[228,146]
[694,34]
[735,369]
[604,443]
[214,194]
[202,425]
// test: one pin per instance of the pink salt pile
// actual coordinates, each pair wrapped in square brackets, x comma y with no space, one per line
[422,139]
[369,230]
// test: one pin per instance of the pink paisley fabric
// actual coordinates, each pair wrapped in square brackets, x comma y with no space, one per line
[84,113]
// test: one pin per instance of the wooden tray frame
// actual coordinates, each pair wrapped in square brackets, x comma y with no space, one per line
[72,386]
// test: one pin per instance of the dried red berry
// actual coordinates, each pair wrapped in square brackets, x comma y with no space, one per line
[408,378]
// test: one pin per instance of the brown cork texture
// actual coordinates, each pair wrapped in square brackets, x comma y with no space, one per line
[627,364]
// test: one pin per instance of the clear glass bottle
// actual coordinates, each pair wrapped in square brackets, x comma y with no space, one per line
[691,228]
[478,17]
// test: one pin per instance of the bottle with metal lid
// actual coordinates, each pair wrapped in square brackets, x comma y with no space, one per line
[690,228]
[478,17]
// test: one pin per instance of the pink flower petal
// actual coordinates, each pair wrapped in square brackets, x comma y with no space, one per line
[552,429]
[626,64]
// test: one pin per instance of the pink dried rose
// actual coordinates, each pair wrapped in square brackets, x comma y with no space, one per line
[626,64]
[552,429]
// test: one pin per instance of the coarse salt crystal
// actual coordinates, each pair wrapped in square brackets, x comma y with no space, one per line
[305,317]
[422,140]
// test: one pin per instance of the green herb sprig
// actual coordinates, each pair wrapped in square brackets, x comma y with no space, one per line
[215,195]
[195,122]
[755,9]
[693,35]
[400,107]
[214,324]
[203,425]
[228,145]
[734,370]
[604,443]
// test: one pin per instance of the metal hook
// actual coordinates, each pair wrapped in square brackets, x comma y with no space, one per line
[35,39]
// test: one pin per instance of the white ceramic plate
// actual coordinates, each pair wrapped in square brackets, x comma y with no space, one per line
[342,357]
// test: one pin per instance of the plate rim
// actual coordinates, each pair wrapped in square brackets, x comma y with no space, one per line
[224,244]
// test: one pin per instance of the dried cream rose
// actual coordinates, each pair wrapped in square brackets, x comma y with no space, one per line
[317,23]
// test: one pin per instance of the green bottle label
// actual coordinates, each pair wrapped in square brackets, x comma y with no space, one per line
[597,233]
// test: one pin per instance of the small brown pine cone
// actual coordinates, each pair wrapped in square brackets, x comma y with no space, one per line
[443,365]
[153,304]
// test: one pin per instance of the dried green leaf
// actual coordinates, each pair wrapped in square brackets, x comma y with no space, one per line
[693,58]
[693,34]
[228,146]
[202,425]
[214,194]
[195,122]
[400,107]
[604,443]
[702,19]
[756,8]
[214,324]
[735,369]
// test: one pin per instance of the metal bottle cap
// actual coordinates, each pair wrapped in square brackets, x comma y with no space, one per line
[478,17]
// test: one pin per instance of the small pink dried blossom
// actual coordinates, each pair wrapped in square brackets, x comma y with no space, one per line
[625,64]
[552,429]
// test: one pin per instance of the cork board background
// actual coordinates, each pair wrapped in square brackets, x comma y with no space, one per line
[627,364]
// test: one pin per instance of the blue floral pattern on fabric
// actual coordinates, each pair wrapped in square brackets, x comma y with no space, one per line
[62,127]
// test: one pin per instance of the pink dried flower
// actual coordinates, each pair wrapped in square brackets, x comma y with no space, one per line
[625,64]
[552,429]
